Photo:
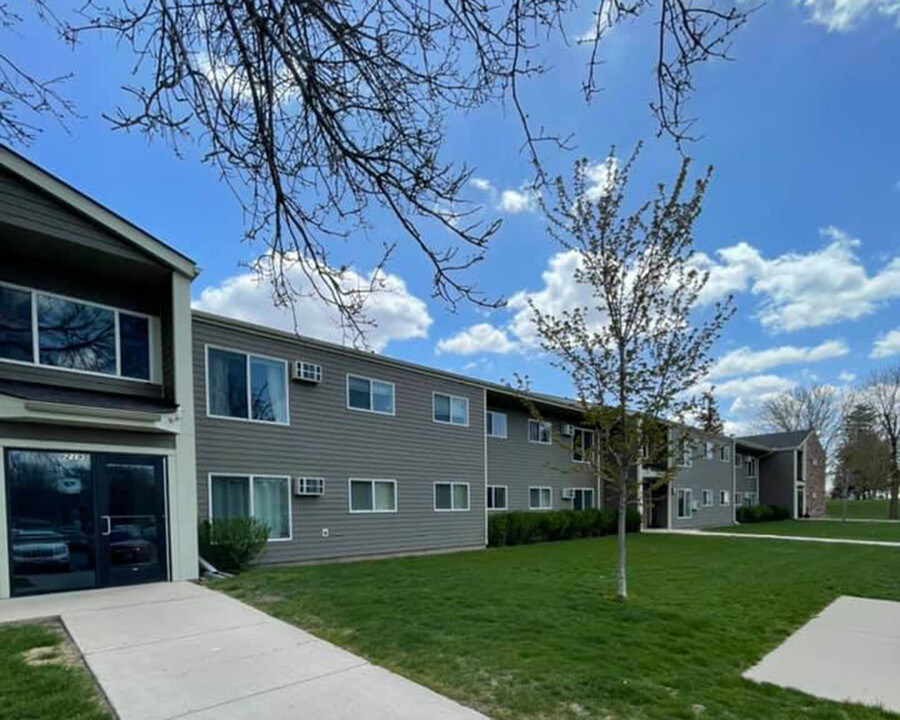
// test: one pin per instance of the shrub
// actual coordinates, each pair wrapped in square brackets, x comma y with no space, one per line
[521,527]
[232,544]
[762,513]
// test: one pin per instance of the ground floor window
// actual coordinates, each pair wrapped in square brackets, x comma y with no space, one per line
[583,498]
[684,504]
[453,496]
[724,497]
[738,499]
[373,496]
[540,498]
[496,497]
[265,497]
[749,499]
[707,498]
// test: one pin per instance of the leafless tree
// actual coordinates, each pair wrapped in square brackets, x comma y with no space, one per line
[817,407]
[24,96]
[640,346]
[882,391]
[318,112]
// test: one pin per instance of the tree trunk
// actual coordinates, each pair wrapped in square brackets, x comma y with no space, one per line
[894,505]
[622,584]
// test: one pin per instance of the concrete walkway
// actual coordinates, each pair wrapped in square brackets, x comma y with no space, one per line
[179,650]
[850,652]
[789,538]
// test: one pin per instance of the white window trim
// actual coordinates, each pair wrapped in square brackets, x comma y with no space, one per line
[738,498]
[287,392]
[689,504]
[541,423]
[452,484]
[251,478]
[725,453]
[153,328]
[724,498]
[584,490]
[687,453]
[709,450]
[488,489]
[703,495]
[752,467]
[373,511]
[371,409]
[752,497]
[738,460]
[504,436]
[540,487]
[434,395]
[593,448]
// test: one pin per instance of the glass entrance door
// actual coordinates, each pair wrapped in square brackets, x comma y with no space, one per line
[84,520]
[131,516]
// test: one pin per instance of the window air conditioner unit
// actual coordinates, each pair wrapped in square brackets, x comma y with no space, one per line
[309,487]
[567,493]
[568,430]
[307,372]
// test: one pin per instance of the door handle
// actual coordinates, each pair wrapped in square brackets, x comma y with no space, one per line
[108,530]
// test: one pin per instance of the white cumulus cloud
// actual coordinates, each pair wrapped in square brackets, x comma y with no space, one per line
[847,377]
[744,360]
[481,338]
[396,313]
[845,15]
[511,200]
[887,345]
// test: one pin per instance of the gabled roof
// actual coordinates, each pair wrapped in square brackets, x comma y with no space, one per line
[779,440]
[81,203]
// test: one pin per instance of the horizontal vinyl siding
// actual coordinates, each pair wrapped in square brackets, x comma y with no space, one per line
[326,439]
[776,479]
[715,475]
[519,464]
[27,207]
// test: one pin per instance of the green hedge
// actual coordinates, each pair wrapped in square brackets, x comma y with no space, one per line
[522,527]
[762,513]
[232,544]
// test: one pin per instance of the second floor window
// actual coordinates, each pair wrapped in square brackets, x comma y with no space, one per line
[495,424]
[582,445]
[539,431]
[246,387]
[58,332]
[375,396]
[451,409]
[752,467]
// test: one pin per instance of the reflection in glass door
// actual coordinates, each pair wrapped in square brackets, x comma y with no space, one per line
[51,521]
[84,520]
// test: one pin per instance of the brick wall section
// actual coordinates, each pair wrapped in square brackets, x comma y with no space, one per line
[815,477]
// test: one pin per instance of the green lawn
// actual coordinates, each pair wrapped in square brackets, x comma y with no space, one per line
[534,632]
[46,684]
[820,528]
[865,509]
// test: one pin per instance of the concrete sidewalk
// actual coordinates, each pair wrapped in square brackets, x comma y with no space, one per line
[789,538]
[850,652]
[176,650]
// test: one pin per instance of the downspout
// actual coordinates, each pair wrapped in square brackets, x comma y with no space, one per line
[734,481]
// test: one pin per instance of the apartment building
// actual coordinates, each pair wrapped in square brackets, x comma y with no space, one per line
[125,418]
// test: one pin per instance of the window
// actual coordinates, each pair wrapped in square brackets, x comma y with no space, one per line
[752,467]
[749,499]
[724,497]
[373,496]
[450,409]
[582,498]
[738,459]
[539,432]
[451,496]
[582,445]
[684,505]
[496,497]
[687,452]
[540,498]
[710,450]
[738,499]
[376,396]
[725,453]
[246,387]
[707,498]
[496,424]
[265,497]
[49,330]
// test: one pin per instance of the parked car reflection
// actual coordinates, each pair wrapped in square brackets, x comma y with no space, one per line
[37,543]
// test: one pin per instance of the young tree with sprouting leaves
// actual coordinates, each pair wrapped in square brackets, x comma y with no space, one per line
[639,343]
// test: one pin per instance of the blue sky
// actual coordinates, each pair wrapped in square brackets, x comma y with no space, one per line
[802,220]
